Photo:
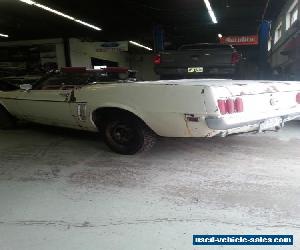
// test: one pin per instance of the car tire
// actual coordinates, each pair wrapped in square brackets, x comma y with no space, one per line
[128,135]
[6,120]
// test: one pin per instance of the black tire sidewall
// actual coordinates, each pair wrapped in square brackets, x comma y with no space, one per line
[138,140]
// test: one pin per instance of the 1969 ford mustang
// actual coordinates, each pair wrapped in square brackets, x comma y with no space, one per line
[131,114]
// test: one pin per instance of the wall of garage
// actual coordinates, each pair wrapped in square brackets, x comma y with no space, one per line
[143,63]
[276,46]
[82,51]
[58,55]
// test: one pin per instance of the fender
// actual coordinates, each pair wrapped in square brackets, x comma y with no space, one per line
[119,106]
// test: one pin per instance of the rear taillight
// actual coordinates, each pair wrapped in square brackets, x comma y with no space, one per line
[230,106]
[298,98]
[239,105]
[157,59]
[235,58]
[222,106]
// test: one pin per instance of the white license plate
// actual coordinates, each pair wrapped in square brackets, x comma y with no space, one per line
[195,70]
[270,123]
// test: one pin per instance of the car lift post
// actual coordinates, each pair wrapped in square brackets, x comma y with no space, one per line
[264,34]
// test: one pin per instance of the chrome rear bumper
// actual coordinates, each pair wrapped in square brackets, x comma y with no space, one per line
[222,123]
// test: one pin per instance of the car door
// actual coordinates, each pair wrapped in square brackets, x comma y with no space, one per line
[50,103]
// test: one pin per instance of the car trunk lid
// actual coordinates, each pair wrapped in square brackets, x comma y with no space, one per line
[257,97]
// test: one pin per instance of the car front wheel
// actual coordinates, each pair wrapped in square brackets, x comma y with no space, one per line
[128,136]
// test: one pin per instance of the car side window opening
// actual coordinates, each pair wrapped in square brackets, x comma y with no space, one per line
[53,83]
[12,84]
[61,81]
[6,85]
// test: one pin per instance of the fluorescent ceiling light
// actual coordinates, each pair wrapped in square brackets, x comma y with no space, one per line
[220,35]
[210,11]
[44,7]
[53,11]
[27,1]
[87,24]
[140,45]
[3,35]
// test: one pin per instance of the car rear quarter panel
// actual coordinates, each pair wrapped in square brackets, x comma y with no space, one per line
[163,107]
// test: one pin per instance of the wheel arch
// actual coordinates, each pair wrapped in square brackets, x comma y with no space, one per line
[7,121]
[102,113]
[3,106]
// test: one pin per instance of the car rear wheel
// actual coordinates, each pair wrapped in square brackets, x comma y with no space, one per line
[6,120]
[128,136]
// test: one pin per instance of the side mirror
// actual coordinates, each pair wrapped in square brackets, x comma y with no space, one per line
[26,87]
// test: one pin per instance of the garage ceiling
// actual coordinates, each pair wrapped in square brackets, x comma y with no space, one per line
[183,20]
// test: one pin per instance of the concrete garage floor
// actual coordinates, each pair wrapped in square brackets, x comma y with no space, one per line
[65,190]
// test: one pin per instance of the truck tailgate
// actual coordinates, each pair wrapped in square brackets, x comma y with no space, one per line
[184,59]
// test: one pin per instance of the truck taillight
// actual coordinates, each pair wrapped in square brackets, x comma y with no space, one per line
[235,58]
[230,106]
[298,98]
[157,59]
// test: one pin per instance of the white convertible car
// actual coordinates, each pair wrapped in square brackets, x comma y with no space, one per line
[132,114]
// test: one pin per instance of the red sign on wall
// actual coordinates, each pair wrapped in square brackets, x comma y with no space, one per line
[240,40]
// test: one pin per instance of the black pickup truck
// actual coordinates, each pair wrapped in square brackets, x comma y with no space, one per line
[197,61]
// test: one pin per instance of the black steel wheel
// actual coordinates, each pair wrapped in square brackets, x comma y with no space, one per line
[128,136]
